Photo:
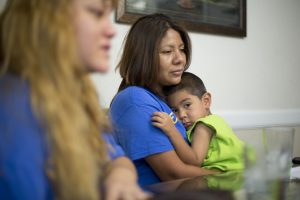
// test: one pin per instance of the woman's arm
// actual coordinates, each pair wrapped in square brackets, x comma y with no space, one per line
[121,181]
[193,155]
[144,143]
[168,166]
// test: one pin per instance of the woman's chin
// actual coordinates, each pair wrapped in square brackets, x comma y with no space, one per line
[175,81]
[99,68]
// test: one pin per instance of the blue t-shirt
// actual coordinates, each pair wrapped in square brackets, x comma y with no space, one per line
[23,146]
[131,112]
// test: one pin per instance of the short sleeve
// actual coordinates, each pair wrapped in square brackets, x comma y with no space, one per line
[131,114]
[138,136]
[114,150]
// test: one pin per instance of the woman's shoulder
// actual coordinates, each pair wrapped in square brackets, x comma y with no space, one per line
[13,88]
[15,103]
[15,96]
[14,91]
[137,99]
[135,91]
[135,95]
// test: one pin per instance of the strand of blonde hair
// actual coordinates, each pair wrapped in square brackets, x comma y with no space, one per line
[62,95]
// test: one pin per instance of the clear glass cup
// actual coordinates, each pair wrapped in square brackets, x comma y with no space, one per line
[278,143]
[268,161]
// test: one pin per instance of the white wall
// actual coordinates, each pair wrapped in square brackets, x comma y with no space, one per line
[2,2]
[255,80]
[249,78]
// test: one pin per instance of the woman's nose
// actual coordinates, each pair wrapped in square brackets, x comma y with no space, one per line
[179,57]
[110,29]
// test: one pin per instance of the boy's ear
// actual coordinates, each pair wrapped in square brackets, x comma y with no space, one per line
[206,98]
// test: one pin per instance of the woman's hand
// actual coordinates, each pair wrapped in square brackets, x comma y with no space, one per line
[121,181]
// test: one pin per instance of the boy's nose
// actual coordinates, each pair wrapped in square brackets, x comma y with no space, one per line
[182,115]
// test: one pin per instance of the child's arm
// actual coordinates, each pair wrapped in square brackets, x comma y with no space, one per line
[201,137]
[190,155]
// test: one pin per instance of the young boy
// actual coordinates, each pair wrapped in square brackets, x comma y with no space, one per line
[213,143]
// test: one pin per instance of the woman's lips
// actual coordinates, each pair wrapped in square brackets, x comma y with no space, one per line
[177,72]
[106,47]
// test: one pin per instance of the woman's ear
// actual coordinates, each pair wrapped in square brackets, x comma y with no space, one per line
[206,98]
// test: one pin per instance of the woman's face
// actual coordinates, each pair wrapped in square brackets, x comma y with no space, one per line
[94,31]
[172,59]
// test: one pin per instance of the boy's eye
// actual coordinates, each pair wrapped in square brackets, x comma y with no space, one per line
[187,105]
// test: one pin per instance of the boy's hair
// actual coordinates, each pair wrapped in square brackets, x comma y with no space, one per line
[189,82]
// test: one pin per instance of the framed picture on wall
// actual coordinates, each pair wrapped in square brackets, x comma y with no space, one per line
[222,17]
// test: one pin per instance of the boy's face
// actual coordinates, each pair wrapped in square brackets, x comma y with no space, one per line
[188,108]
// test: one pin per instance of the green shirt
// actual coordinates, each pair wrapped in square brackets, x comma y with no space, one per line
[225,151]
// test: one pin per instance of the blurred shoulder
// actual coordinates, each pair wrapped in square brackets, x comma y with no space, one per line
[134,95]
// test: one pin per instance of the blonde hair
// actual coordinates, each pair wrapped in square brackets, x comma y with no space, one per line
[38,44]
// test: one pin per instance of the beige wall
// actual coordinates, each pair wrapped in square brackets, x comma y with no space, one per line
[254,81]
[2,2]
[259,72]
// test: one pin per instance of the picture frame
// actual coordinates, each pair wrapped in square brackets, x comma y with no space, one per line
[221,17]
